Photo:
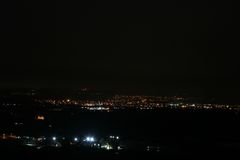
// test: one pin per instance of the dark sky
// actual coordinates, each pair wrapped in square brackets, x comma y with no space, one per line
[166,46]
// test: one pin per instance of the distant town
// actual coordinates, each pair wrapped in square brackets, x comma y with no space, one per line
[108,122]
[94,101]
[120,102]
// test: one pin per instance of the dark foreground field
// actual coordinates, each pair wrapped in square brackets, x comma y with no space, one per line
[178,135]
[196,152]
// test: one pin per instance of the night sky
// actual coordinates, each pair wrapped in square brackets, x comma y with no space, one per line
[168,46]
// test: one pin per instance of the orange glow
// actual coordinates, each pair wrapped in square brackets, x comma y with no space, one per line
[40,118]
[6,136]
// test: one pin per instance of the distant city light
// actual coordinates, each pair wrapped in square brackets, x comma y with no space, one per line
[90,139]
[54,138]
[114,137]
[40,118]
[107,147]
[75,139]
[119,102]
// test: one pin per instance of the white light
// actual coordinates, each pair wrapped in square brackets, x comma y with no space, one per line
[117,137]
[108,147]
[90,139]
[75,139]
[54,138]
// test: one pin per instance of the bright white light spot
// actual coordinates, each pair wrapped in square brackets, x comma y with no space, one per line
[54,138]
[90,139]
[75,139]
